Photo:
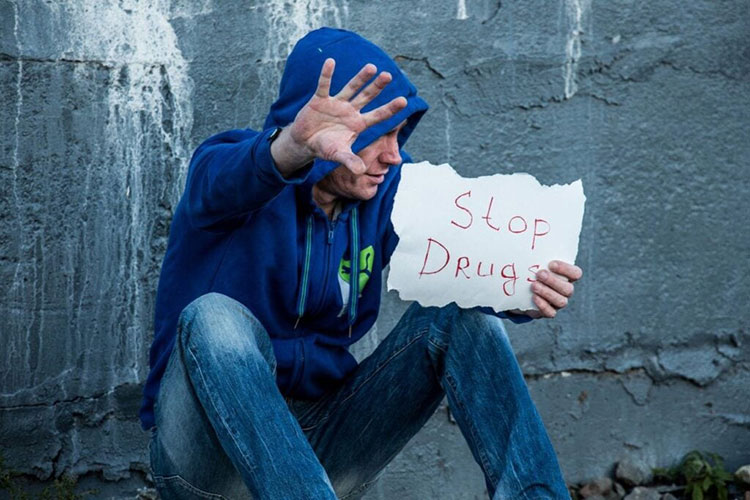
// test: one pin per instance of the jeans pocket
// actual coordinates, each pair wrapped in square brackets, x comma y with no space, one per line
[177,488]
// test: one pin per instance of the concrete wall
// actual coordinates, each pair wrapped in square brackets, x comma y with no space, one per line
[102,103]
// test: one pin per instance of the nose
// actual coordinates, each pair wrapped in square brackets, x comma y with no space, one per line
[390,154]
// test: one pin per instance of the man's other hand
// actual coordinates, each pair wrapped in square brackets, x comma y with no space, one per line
[327,126]
[553,288]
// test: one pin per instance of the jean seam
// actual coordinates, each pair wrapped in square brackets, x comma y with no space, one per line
[186,484]
[384,363]
[480,447]
[377,370]
[218,413]
[437,343]
[364,486]
[308,412]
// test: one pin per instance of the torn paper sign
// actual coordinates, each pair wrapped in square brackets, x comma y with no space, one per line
[479,241]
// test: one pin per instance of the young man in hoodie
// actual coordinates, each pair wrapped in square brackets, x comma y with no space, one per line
[273,269]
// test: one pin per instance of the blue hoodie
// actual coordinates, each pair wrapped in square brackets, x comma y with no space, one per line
[242,230]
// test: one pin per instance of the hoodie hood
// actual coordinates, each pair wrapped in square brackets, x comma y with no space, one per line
[351,52]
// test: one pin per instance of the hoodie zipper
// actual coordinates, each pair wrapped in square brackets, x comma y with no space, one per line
[305,271]
[330,228]
[354,269]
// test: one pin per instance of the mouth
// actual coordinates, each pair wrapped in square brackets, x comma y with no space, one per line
[377,179]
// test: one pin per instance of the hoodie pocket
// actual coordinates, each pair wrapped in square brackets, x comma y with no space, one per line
[298,368]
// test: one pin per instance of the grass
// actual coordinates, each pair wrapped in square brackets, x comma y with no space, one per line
[703,474]
[63,488]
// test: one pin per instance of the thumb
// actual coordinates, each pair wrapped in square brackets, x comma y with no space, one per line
[350,161]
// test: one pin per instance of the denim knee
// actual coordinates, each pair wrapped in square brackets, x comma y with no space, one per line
[451,323]
[216,322]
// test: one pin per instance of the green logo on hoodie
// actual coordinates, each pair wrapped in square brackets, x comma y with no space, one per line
[366,257]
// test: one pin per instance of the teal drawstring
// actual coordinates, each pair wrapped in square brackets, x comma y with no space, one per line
[354,276]
[305,272]
[354,271]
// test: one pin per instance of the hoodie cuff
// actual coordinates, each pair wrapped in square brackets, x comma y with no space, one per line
[268,169]
[518,319]
[513,317]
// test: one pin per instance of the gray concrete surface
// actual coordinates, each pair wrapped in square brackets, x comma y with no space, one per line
[647,102]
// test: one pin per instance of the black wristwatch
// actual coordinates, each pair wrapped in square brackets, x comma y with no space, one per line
[274,134]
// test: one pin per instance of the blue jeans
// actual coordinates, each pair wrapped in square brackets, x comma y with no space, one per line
[223,429]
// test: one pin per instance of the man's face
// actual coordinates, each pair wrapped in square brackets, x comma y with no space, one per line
[378,157]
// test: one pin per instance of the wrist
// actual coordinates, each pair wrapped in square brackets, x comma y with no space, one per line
[288,155]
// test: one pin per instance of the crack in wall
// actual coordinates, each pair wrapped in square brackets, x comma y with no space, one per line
[677,67]
[119,389]
[498,6]
[734,419]
[602,98]
[101,472]
[658,373]
[99,63]
[582,371]
[423,60]
[610,70]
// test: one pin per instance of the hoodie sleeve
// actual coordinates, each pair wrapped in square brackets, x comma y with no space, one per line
[518,319]
[230,175]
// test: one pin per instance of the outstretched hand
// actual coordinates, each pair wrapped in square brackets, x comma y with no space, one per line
[327,126]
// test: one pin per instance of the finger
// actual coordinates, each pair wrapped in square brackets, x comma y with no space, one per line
[570,271]
[350,161]
[531,313]
[544,308]
[371,91]
[357,81]
[560,284]
[324,82]
[384,112]
[550,295]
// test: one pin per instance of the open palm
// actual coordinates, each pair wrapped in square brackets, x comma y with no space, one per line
[328,125]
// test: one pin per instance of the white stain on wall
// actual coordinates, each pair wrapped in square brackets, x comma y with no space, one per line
[461,12]
[13,351]
[150,97]
[576,12]
[125,53]
[287,23]
[448,127]
[290,21]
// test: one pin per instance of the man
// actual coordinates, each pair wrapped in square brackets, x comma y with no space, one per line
[274,268]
